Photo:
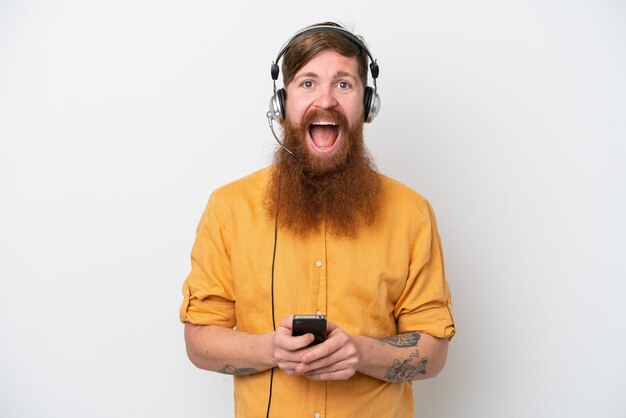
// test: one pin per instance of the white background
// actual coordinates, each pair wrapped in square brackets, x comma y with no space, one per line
[118,118]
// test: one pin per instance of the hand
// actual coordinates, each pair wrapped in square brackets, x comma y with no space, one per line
[337,358]
[287,350]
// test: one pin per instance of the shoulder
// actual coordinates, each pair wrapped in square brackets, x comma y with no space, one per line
[250,187]
[244,198]
[402,197]
[404,208]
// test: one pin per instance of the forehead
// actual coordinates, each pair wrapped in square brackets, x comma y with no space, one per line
[330,62]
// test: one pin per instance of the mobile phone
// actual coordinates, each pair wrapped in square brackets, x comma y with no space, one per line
[313,324]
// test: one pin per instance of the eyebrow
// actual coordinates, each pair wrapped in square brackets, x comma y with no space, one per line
[345,74]
[339,74]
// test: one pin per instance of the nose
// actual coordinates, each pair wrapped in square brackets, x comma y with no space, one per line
[325,99]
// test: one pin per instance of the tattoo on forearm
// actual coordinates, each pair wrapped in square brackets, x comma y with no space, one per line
[403,340]
[229,369]
[405,370]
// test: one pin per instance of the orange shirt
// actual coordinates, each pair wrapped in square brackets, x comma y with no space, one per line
[387,280]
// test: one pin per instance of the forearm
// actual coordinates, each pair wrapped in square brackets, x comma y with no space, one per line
[410,356]
[227,350]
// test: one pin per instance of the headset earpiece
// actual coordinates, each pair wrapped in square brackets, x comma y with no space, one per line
[282,98]
[371,104]
[277,106]
[367,102]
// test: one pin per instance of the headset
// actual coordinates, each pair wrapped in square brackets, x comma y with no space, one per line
[371,100]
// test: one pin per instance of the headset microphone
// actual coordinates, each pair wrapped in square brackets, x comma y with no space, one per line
[270,119]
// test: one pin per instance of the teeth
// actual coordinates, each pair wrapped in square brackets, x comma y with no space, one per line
[324,123]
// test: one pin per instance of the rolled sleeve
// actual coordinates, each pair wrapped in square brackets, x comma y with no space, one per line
[208,294]
[425,304]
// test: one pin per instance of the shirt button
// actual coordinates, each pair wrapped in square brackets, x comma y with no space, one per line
[318,263]
[317,415]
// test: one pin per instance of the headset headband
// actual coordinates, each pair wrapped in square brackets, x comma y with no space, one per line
[327,28]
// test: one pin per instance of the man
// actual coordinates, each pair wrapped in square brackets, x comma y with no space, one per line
[320,231]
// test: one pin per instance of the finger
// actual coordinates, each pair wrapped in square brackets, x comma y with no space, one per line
[288,367]
[335,361]
[286,322]
[290,343]
[284,356]
[330,368]
[320,363]
[325,349]
[330,327]
[342,374]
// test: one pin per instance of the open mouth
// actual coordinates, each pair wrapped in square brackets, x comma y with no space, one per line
[324,135]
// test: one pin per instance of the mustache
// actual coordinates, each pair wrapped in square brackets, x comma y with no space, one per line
[329,115]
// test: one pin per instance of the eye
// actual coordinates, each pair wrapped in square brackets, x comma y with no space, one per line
[344,85]
[307,84]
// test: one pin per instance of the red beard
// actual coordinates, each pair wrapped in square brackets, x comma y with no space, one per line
[342,187]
